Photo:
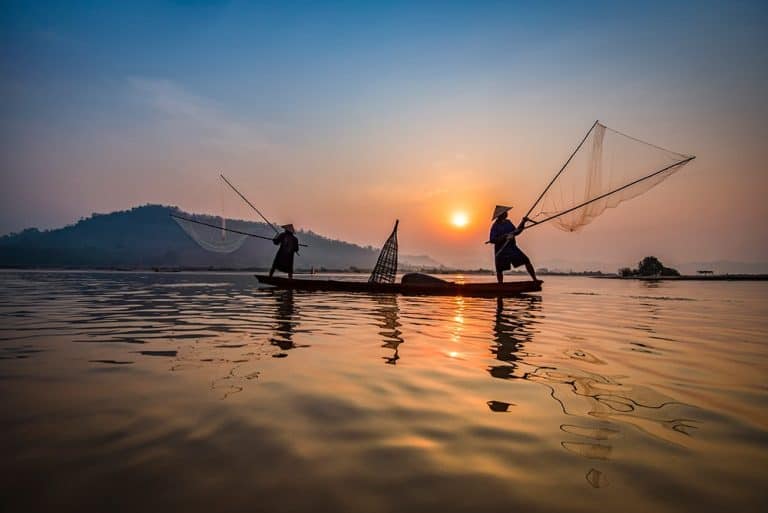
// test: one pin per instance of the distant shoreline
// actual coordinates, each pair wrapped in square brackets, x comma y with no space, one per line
[587,274]
[713,277]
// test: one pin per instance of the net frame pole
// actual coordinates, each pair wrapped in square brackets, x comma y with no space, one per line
[225,229]
[680,163]
[560,172]
[249,203]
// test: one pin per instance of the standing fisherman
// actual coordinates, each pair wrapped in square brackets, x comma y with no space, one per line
[503,233]
[289,245]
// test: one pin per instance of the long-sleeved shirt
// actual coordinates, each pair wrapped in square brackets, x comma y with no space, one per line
[499,231]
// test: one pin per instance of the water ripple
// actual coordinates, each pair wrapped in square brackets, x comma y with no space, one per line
[594,386]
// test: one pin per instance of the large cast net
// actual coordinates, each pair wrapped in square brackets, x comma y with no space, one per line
[228,231]
[607,168]
[211,233]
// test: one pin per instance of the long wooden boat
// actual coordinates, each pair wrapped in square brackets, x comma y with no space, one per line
[410,285]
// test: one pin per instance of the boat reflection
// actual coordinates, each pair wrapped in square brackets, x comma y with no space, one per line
[388,314]
[512,328]
[285,314]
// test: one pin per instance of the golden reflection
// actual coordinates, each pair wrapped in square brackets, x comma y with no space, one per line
[458,319]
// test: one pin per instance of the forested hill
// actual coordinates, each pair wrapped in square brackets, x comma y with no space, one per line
[147,236]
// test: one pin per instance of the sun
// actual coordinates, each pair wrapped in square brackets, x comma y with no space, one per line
[459,219]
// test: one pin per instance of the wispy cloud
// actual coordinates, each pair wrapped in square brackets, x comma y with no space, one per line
[198,120]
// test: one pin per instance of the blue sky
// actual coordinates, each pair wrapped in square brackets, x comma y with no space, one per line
[324,109]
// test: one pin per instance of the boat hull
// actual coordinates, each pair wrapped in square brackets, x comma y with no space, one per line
[447,288]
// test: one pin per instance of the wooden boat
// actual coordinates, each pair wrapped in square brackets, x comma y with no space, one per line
[411,284]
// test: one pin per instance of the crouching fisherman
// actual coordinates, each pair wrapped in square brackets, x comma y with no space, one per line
[503,233]
[289,245]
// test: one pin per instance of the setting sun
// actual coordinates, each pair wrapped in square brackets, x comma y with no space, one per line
[459,219]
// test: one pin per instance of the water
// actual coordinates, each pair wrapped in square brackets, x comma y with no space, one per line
[201,392]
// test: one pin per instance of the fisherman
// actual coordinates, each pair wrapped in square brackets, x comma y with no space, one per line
[289,245]
[503,233]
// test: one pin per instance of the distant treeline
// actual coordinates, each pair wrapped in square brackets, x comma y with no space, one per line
[147,237]
[648,266]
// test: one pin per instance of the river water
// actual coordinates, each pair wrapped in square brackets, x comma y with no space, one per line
[202,392]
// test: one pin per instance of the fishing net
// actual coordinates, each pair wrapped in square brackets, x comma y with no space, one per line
[219,233]
[386,266]
[211,233]
[606,169]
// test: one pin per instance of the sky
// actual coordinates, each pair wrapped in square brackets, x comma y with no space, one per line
[341,117]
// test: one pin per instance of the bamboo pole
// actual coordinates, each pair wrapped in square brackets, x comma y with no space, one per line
[249,203]
[559,172]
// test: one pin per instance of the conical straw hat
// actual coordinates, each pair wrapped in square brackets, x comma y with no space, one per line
[500,209]
[288,227]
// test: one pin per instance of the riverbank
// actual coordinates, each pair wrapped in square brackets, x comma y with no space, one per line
[714,277]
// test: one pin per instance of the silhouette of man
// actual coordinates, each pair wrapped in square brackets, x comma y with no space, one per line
[289,245]
[503,233]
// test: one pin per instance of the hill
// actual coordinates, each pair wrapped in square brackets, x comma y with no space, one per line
[146,237]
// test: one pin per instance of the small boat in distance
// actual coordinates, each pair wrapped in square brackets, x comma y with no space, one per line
[411,284]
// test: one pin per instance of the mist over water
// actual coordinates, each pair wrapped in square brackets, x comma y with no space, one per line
[202,392]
